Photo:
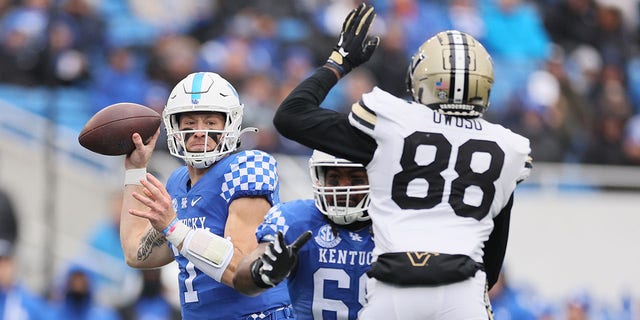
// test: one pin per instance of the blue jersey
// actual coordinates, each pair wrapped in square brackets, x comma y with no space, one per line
[329,281]
[205,205]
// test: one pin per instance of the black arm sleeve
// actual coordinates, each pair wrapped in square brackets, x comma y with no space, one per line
[301,119]
[496,246]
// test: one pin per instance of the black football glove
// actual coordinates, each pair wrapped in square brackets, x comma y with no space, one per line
[354,47]
[277,261]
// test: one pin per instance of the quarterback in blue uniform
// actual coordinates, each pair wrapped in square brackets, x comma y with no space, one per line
[210,208]
[326,280]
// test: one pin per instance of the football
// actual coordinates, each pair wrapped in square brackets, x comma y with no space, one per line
[109,131]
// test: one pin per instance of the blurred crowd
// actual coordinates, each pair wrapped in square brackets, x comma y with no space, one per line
[520,301]
[564,69]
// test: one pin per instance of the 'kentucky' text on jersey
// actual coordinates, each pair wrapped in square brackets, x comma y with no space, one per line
[329,281]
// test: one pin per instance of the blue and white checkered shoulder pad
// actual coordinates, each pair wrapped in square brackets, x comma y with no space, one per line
[251,173]
[273,222]
[296,216]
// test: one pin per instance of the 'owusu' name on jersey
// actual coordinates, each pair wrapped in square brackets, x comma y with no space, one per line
[350,257]
[457,121]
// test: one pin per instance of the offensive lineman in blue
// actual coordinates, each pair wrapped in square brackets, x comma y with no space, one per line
[326,280]
[210,208]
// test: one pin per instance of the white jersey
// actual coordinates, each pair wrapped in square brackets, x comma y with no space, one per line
[436,181]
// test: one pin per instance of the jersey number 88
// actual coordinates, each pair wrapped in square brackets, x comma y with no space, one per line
[432,173]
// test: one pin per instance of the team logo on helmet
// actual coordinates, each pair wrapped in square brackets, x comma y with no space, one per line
[451,68]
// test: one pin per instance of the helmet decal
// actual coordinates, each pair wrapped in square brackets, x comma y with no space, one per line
[196,87]
[459,61]
[235,93]
[442,89]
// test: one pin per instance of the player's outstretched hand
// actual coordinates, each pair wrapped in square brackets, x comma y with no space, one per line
[277,261]
[355,46]
[155,196]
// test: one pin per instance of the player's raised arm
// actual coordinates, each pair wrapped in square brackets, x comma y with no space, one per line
[300,117]
[142,244]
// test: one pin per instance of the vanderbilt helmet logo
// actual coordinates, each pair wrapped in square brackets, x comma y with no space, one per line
[419,259]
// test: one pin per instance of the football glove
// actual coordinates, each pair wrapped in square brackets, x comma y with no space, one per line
[354,47]
[277,261]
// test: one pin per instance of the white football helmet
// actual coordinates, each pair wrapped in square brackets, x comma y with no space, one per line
[451,73]
[327,197]
[204,92]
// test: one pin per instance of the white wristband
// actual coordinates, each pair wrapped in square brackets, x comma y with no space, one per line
[177,234]
[133,176]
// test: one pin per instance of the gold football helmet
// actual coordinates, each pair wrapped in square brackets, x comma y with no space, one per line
[451,73]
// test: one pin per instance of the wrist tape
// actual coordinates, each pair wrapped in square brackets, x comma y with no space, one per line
[176,232]
[133,176]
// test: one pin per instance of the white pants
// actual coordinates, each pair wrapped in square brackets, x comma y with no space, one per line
[464,300]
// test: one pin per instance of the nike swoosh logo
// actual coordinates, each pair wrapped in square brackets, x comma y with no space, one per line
[224,95]
[174,96]
[194,201]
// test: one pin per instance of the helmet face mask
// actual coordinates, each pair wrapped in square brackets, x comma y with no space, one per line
[198,93]
[451,73]
[341,204]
